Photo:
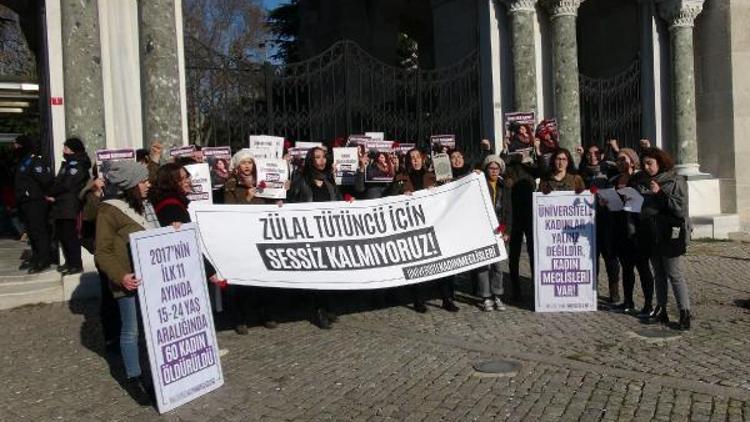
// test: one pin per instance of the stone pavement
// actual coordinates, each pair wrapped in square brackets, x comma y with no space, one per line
[394,364]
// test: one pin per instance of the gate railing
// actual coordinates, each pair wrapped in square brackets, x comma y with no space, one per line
[344,90]
[611,107]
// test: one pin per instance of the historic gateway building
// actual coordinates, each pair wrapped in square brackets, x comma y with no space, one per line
[121,73]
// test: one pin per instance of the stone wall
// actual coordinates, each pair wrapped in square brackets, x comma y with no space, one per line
[16,60]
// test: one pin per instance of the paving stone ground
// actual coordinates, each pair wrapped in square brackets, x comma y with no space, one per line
[392,364]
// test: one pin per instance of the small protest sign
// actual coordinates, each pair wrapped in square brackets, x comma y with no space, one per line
[218,159]
[105,158]
[200,179]
[180,152]
[375,136]
[440,142]
[565,252]
[345,163]
[176,314]
[272,177]
[265,146]
[442,165]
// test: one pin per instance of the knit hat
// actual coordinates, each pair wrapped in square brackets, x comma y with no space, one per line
[75,145]
[632,155]
[492,158]
[240,156]
[126,174]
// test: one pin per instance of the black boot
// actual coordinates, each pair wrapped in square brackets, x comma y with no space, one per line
[140,390]
[420,306]
[449,305]
[322,320]
[685,318]
[657,316]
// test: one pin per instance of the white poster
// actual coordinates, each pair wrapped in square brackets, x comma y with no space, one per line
[200,178]
[272,178]
[264,146]
[176,313]
[345,163]
[368,244]
[375,136]
[564,252]
[442,164]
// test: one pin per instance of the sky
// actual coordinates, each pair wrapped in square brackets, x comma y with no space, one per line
[270,4]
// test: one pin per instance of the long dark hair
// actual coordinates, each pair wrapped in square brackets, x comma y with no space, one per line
[663,159]
[167,184]
[309,171]
[407,165]
[134,199]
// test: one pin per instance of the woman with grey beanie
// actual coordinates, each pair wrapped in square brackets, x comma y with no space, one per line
[117,218]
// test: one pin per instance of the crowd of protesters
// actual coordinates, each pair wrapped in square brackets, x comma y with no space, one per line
[99,213]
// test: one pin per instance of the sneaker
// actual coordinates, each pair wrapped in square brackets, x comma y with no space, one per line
[488,305]
[223,352]
[499,305]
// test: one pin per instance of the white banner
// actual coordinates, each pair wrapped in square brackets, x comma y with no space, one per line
[564,252]
[264,146]
[200,179]
[345,164]
[367,244]
[176,313]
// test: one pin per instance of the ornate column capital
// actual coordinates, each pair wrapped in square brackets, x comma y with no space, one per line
[562,7]
[520,5]
[679,13]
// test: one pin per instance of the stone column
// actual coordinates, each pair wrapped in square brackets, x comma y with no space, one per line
[162,71]
[522,14]
[680,15]
[563,15]
[82,64]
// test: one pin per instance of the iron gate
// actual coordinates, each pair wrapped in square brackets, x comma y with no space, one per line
[342,91]
[611,107]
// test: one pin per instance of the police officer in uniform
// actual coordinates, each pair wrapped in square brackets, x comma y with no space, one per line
[33,178]
[70,181]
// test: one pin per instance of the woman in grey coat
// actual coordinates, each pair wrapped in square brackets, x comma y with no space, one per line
[663,227]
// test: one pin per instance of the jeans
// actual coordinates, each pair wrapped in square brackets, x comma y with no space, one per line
[668,270]
[129,335]
[490,280]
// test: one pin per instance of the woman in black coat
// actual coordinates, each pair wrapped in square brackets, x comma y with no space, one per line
[315,184]
[70,180]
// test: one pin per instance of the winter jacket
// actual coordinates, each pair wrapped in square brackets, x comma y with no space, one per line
[571,182]
[521,178]
[597,175]
[113,229]
[402,183]
[301,191]
[663,225]
[32,180]
[89,212]
[70,180]
[502,205]
[236,193]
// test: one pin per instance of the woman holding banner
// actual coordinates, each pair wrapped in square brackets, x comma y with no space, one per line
[240,189]
[315,184]
[621,228]
[417,177]
[491,277]
[663,227]
[117,218]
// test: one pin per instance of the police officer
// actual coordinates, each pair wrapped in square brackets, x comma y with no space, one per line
[70,181]
[33,178]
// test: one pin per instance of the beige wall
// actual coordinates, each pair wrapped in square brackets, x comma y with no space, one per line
[740,41]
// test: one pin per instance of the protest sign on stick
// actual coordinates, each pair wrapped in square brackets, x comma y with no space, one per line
[564,252]
[368,244]
[176,314]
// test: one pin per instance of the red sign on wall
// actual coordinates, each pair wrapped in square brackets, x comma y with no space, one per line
[56,100]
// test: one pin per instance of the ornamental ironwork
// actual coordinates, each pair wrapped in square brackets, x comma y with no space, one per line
[343,90]
[611,107]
